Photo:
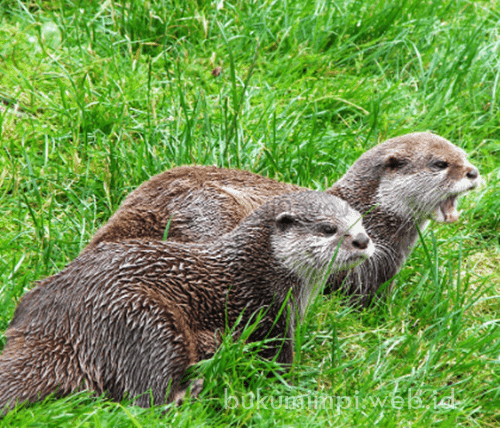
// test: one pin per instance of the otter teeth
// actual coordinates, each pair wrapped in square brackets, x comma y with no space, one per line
[447,210]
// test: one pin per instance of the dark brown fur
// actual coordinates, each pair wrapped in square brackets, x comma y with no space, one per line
[205,202]
[132,316]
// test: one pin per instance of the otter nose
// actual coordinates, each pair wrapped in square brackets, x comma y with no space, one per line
[473,174]
[361,241]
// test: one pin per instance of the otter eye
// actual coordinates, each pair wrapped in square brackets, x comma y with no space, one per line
[328,229]
[441,164]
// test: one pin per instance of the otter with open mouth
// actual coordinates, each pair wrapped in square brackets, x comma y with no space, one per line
[398,185]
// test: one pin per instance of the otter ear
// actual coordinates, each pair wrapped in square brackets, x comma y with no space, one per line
[285,220]
[394,160]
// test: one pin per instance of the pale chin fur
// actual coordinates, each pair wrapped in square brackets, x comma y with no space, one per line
[311,259]
[422,202]
[393,195]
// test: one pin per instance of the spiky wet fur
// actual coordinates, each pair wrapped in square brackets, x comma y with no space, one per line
[127,317]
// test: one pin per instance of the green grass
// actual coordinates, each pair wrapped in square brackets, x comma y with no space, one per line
[96,97]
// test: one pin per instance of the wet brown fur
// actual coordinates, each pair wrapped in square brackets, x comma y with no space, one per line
[188,195]
[204,202]
[127,317]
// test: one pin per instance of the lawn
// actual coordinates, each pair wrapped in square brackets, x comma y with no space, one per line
[97,97]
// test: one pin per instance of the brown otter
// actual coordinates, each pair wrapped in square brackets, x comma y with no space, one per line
[399,185]
[130,316]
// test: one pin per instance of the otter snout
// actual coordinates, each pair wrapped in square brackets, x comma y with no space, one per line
[361,241]
[464,179]
[473,173]
[356,247]
[470,176]
[474,177]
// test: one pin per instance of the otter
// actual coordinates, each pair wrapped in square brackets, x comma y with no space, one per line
[127,317]
[398,186]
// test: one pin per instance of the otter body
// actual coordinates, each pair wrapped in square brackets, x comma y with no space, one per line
[398,185]
[127,317]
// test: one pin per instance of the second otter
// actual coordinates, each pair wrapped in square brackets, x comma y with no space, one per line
[399,185]
[133,316]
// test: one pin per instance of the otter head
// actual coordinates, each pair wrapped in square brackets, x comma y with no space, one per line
[422,175]
[317,234]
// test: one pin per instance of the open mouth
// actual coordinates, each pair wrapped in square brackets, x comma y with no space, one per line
[446,211]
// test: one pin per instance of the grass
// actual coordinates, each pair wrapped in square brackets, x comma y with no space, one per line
[96,97]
